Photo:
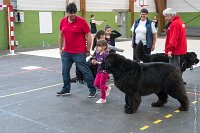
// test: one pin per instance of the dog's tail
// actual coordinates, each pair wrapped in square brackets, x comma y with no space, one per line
[141,54]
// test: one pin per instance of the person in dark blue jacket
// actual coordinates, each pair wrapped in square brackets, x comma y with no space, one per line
[143,30]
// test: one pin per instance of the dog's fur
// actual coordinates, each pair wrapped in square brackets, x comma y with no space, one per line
[141,79]
[186,61]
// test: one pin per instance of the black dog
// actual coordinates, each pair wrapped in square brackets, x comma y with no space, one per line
[186,61]
[141,79]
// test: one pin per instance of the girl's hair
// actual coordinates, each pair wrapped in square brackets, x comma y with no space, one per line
[97,37]
[99,33]
[107,27]
[102,43]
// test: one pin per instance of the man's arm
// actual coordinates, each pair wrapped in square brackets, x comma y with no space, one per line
[60,46]
[97,22]
[89,41]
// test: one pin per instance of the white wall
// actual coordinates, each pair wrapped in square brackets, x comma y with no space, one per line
[151,5]
[109,5]
[45,5]
[183,6]
[1,3]
[105,5]
[48,5]
[91,5]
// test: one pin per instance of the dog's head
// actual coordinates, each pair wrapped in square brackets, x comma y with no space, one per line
[189,60]
[113,62]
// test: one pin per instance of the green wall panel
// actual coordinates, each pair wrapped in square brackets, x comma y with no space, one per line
[3,31]
[188,16]
[109,18]
[27,33]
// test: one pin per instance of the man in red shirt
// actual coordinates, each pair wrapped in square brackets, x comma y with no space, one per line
[176,42]
[73,48]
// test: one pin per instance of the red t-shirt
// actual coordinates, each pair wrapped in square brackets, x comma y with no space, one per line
[74,35]
[176,37]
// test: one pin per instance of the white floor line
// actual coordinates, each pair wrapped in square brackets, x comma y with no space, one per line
[8,55]
[18,93]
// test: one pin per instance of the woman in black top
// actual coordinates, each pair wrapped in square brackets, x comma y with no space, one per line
[111,35]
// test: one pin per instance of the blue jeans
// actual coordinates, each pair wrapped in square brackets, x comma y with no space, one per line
[80,61]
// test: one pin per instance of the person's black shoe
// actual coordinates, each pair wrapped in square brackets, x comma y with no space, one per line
[92,94]
[81,81]
[74,80]
[62,93]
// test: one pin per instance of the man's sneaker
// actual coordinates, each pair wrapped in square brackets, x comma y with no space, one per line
[62,93]
[108,91]
[74,80]
[92,94]
[81,81]
[101,101]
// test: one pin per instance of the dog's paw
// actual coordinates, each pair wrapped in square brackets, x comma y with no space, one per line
[181,108]
[157,104]
[125,106]
[129,111]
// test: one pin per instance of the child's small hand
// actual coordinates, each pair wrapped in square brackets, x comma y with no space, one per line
[99,63]
[93,61]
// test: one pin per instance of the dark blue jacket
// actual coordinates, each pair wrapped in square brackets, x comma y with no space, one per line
[149,35]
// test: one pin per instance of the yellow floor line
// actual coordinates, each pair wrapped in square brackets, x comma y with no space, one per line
[168,116]
[156,122]
[195,102]
[143,128]
[177,111]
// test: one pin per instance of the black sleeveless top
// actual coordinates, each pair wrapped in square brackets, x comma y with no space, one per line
[93,27]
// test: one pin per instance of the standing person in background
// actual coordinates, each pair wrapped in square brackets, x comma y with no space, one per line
[155,20]
[93,24]
[143,29]
[73,48]
[176,41]
[110,37]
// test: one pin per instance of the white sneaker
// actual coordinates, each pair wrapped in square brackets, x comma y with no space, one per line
[101,101]
[108,91]
[111,77]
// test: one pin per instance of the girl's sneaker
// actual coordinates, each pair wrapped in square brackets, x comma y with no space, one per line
[101,101]
[108,91]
